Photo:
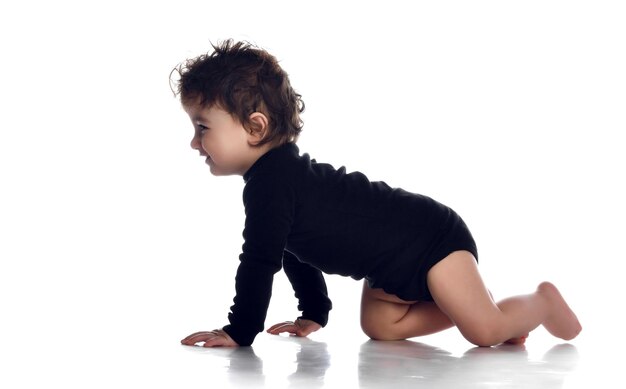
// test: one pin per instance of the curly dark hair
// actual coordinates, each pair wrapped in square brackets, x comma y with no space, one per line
[241,79]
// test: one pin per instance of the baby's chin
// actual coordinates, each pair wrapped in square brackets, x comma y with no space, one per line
[217,172]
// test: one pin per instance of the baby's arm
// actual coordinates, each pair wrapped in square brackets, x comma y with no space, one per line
[269,206]
[312,294]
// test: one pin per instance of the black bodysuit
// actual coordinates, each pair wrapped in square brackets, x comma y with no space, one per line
[308,218]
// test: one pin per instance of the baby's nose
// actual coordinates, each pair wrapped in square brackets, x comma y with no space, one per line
[195,143]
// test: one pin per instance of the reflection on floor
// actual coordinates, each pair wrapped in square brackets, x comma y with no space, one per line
[277,362]
[410,364]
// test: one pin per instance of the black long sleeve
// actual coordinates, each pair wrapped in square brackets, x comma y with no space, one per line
[310,288]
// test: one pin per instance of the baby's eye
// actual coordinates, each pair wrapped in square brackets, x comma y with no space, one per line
[202,129]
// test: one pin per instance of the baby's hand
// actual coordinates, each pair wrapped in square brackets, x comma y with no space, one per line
[301,327]
[215,338]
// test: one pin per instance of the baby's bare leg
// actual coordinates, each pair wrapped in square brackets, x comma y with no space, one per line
[459,291]
[387,317]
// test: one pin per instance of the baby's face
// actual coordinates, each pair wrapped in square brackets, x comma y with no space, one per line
[222,139]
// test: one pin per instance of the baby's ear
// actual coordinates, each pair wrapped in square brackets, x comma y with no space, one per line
[258,128]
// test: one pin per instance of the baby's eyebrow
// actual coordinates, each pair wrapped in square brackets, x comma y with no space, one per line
[200,119]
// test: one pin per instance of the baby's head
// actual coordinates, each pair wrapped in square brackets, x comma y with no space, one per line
[242,79]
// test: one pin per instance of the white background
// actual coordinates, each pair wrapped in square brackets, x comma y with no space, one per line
[114,235]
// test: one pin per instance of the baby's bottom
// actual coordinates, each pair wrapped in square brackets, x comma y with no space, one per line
[386,317]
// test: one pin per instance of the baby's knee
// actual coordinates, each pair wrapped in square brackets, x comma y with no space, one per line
[371,329]
[484,335]
[376,330]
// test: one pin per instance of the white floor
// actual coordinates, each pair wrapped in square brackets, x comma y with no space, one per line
[326,360]
[281,362]
[296,363]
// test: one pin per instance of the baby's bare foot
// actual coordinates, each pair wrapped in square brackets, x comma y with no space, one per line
[562,321]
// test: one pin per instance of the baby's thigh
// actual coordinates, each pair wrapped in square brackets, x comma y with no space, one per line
[459,291]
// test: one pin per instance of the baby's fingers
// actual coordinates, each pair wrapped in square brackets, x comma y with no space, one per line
[219,341]
[195,338]
[210,338]
[287,326]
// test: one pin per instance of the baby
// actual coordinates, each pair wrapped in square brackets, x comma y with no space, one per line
[417,257]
